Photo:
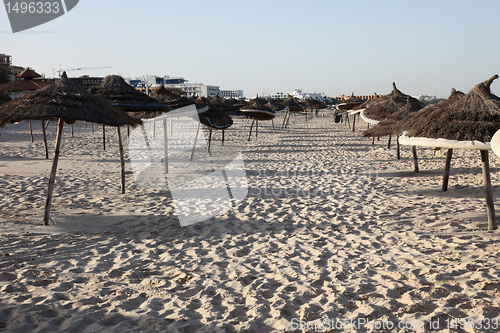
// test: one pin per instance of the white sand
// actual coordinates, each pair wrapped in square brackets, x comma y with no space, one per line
[332,228]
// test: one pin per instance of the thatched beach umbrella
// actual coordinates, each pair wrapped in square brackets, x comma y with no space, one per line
[257,112]
[382,107]
[388,127]
[175,101]
[69,103]
[292,106]
[424,114]
[468,123]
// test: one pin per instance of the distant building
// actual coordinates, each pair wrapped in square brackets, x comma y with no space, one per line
[154,81]
[425,98]
[298,93]
[231,93]
[196,89]
[29,80]
[363,97]
[5,64]
[87,82]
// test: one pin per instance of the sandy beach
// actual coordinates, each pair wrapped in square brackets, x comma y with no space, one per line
[334,236]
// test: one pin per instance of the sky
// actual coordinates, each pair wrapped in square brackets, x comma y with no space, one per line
[263,47]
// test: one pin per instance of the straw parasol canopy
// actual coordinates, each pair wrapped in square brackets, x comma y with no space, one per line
[227,107]
[215,117]
[175,101]
[382,107]
[275,105]
[388,126]
[63,100]
[292,104]
[468,123]
[349,104]
[127,98]
[68,102]
[423,115]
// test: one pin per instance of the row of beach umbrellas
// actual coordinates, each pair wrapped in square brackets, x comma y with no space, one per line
[462,121]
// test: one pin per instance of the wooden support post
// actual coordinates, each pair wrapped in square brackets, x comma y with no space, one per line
[251,126]
[195,138]
[209,139]
[53,171]
[415,158]
[389,142]
[447,166]
[103,137]
[31,131]
[256,127]
[122,159]
[223,137]
[92,125]
[274,129]
[488,192]
[398,149]
[373,141]
[353,123]
[45,140]
[165,144]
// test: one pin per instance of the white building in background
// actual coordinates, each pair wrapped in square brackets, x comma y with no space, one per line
[231,93]
[298,93]
[196,89]
[425,98]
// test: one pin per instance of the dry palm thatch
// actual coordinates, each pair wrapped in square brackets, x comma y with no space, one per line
[423,114]
[349,104]
[292,104]
[474,117]
[275,105]
[257,112]
[68,102]
[388,126]
[121,94]
[64,100]
[175,101]
[227,107]
[382,107]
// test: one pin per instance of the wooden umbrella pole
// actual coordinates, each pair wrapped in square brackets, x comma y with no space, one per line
[415,159]
[209,139]
[103,137]
[154,130]
[256,127]
[165,144]
[488,192]
[122,160]
[72,132]
[223,137]
[284,119]
[398,149]
[92,126]
[274,129]
[373,141]
[45,140]
[447,166]
[251,126]
[31,131]
[389,142]
[354,124]
[53,171]
[47,124]
[195,138]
